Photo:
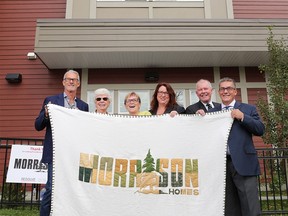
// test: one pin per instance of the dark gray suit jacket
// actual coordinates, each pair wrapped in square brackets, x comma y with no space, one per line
[192,109]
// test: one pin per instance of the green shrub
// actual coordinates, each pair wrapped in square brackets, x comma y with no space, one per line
[13,194]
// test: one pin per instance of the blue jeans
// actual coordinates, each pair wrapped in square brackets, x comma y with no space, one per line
[45,207]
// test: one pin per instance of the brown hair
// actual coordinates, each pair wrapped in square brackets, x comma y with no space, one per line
[172,96]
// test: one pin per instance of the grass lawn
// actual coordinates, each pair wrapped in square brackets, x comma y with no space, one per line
[19,212]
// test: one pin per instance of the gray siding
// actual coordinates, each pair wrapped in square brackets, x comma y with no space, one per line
[221,42]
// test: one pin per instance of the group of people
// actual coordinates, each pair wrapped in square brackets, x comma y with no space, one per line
[242,167]
[163,102]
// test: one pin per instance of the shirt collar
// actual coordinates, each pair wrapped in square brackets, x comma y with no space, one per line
[65,96]
[230,105]
[210,102]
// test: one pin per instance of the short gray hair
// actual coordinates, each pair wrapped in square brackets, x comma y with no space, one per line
[227,79]
[204,80]
[72,71]
[104,91]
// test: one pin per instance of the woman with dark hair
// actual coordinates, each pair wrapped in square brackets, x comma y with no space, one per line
[164,101]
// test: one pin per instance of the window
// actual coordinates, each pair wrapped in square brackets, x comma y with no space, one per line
[180,97]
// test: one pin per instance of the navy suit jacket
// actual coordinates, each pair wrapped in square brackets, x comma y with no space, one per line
[41,122]
[192,109]
[241,147]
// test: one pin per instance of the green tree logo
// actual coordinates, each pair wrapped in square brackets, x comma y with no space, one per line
[149,178]
[149,164]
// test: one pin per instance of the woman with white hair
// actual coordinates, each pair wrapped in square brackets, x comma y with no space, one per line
[102,100]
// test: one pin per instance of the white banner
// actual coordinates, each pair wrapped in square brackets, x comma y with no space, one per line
[25,165]
[136,166]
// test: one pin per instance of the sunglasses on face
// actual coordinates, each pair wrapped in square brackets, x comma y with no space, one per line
[104,99]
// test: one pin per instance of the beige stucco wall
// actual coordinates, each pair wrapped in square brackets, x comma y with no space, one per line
[80,9]
[219,9]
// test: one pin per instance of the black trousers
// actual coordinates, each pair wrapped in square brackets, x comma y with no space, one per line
[241,196]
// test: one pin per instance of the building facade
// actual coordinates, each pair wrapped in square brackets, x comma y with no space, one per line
[130,45]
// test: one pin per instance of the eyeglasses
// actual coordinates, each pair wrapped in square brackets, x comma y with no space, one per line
[229,89]
[71,79]
[162,93]
[134,100]
[104,99]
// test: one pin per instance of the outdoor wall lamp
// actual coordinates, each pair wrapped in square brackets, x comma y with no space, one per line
[14,77]
[151,77]
[31,56]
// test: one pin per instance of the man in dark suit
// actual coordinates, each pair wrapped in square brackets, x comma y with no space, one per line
[71,81]
[204,92]
[242,166]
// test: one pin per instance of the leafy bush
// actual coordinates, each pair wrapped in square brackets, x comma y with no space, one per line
[13,194]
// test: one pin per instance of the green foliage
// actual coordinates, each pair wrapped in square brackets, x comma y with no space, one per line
[149,164]
[19,212]
[13,194]
[274,112]
[268,205]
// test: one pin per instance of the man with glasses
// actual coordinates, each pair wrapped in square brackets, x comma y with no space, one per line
[204,92]
[102,100]
[242,167]
[71,81]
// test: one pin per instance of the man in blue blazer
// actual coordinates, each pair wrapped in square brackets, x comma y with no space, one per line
[204,92]
[71,81]
[242,169]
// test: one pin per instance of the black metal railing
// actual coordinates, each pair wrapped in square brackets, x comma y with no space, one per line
[273,181]
[16,194]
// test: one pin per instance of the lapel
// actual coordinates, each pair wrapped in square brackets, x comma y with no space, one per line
[237,105]
[201,106]
[217,106]
[60,99]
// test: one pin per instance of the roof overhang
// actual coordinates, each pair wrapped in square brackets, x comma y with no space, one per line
[64,43]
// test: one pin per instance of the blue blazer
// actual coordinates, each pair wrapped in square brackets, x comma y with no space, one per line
[41,122]
[242,150]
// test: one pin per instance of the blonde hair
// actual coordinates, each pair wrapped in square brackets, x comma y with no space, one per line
[132,94]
